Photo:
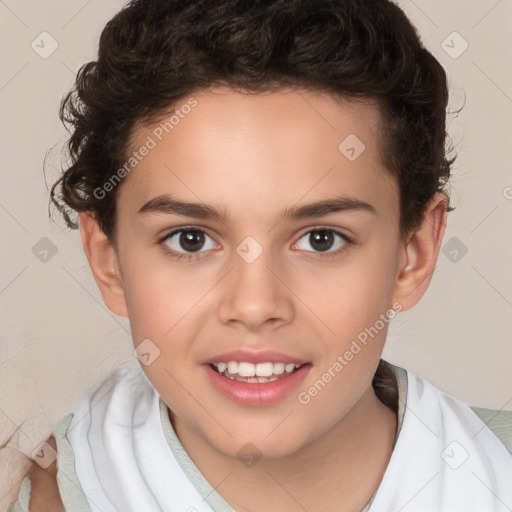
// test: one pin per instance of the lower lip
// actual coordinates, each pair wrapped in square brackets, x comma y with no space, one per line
[256,393]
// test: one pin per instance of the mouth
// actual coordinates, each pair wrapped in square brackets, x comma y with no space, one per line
[256,384]
[251,373]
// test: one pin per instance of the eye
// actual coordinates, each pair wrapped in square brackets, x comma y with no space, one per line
[190,240]
[322,240]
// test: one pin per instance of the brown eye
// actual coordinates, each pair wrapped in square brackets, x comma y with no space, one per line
[189,240]
[322,240]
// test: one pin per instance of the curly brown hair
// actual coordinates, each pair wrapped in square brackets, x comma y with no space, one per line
[153,53]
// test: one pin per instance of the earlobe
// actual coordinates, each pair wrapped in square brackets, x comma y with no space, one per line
[420,254]
[103,260]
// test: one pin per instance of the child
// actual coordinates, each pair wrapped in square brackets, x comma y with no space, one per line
[300,147]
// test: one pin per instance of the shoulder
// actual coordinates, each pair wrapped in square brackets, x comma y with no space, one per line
[456,414]
[500,422]
[45,493]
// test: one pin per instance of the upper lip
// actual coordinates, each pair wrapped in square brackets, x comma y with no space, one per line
[255,357]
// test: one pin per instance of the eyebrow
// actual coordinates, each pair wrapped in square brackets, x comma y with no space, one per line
[170,205]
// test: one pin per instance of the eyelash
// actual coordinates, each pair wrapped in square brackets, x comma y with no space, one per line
[191,256]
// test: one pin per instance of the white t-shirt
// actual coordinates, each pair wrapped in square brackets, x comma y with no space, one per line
[118,452]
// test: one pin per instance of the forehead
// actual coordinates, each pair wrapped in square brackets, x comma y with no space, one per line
[236,149]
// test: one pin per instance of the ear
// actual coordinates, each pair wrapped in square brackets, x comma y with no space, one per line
[103,260]
[419,254]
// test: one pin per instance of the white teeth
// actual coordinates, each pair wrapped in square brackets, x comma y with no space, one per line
[278,368]
[256,371]
[264,369]
[246,370]
[233,367]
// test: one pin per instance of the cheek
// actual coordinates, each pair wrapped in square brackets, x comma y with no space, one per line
[158,296]
[353,295]
[164,298]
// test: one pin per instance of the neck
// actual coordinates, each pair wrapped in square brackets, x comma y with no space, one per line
[339,470]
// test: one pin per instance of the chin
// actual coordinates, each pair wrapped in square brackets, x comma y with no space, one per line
[260,445]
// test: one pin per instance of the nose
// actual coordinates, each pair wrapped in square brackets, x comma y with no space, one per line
[255,295]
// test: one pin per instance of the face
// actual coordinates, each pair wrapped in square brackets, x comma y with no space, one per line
[289,255]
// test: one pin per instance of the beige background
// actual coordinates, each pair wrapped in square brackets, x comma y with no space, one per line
[57,337]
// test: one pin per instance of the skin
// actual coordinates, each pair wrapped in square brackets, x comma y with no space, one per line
[44,493]
[252,156]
